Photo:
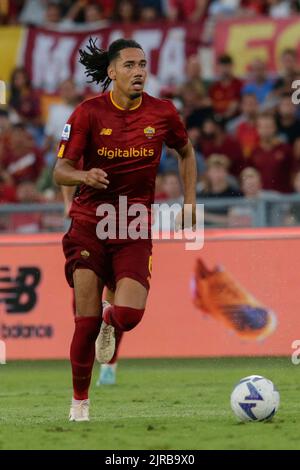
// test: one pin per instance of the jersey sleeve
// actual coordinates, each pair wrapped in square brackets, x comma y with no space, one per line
[75,135]
[177,135]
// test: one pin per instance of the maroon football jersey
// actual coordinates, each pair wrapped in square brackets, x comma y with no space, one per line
[126,144]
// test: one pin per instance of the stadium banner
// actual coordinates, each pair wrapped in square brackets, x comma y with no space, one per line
[11,41]
[263,38]
[250,306]
[52,56]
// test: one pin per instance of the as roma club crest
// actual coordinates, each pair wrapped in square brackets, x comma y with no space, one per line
[149,132]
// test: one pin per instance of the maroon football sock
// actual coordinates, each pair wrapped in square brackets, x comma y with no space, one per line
[82,354]
[122,318]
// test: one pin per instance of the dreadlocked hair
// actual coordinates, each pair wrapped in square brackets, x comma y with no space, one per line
[96,60]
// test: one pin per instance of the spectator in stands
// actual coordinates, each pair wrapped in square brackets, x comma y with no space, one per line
[9,11]
[272,158]
[243,128]
[251,185]
[4,122]
[59,113]
[168,162]
[21,159]
[217,185]
[171,186]
[53,13]
[187,10]
[259,83]
[24,100]
[279,8]
[57,117]
[150,10]
[7,188]
[33,12]
[256,7]
[295,6]
[290,71]
[296,152]
[194,110]
[126,11]
[194,94]
[93,13]
[193,75]
[293,216]
[85,11]
[217,178]
[224,8]
[5,180]
[7,195]
[215,140]
[194,134]
[225,93]
[107,6]
[287,121]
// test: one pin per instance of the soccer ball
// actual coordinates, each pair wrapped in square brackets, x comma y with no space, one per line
[254,398]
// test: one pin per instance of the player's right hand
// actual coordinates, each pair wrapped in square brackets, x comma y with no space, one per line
[96,178]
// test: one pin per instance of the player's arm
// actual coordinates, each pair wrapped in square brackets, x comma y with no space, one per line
[68,195]
[73,143]
[65,174]
[177,138]
[188,174]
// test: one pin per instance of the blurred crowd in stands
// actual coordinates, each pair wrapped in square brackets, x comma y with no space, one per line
[68,12]
[246,133]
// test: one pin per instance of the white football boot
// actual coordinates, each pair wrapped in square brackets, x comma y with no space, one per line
[79,410]
[106,341]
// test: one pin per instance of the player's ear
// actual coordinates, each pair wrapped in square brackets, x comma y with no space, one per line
[111,72]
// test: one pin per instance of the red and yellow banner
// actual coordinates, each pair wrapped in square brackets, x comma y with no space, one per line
[52,56]
[36,319]
[11,42]
[263,38]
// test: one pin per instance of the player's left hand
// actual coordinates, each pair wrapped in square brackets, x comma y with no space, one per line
[186,218]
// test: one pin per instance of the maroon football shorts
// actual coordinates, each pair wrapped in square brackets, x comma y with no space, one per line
[111,260]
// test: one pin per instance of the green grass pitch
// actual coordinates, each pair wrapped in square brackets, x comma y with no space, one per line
[157,404]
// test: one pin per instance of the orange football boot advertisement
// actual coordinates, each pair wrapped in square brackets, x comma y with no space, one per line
[217,293]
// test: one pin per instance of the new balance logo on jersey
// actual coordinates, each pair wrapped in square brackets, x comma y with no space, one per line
[105,131]
[127,153]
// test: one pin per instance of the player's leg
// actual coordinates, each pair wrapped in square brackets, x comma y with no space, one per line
[129,305]
[88,292]
[132,264]
[107,373]
[85,269]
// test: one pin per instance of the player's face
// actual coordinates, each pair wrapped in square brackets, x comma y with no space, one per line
[129,72]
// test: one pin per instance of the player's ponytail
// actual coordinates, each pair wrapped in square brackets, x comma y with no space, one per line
[96,60]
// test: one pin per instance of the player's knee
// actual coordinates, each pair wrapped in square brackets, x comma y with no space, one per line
[127,318]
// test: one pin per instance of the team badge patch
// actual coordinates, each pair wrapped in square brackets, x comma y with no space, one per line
[66,132]
[105,131]
[149,132]
[85,253]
